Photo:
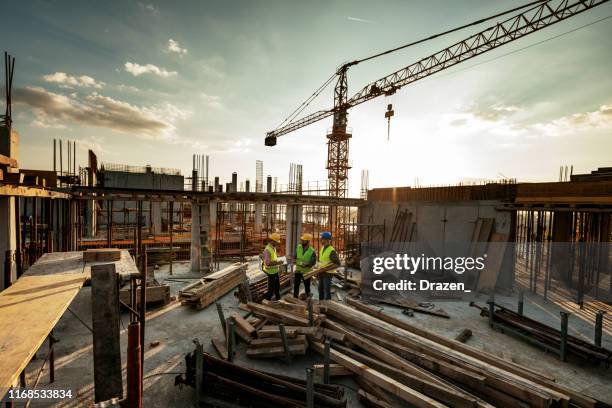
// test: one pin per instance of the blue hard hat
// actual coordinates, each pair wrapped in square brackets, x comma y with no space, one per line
[326,235]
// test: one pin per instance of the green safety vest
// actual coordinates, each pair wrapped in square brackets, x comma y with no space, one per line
[303,258]
[270,270]
[324,256]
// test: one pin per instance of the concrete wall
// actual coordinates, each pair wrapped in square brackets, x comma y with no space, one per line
[147,180]
[437,221]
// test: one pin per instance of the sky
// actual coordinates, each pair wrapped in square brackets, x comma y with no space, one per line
[142,82]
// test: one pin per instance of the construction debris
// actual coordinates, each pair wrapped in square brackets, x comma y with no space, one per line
[215,379]
[395,362]
[207,290]
[548,337]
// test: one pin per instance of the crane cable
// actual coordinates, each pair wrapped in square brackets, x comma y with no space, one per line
[482,20]
[307,102]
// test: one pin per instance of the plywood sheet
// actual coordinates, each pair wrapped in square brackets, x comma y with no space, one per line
[29,310]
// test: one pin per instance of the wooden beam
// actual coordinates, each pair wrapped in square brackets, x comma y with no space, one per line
[23,191]
[386,383]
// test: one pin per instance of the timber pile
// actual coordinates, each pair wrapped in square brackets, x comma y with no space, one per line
[414,306]
[547,335]
[207,290]
[243,386]
[395,363]
[258,285]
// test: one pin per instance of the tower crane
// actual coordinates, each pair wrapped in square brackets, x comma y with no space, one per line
[538,15]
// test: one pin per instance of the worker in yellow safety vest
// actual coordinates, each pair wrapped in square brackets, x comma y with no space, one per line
[327,257]
[271,266]
[305,258]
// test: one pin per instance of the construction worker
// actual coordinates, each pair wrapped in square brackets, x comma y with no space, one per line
[271,266]
[328,257]
[305,258]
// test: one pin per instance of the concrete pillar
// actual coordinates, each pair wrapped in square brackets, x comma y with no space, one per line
[293,227]
[90,218]
[258,217]
[8,242]
[200,233]
[156,217]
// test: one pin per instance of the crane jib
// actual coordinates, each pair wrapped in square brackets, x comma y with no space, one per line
[518,26]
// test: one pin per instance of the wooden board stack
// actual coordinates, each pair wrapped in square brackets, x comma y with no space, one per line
[258,285]
[395,363]
[207,290]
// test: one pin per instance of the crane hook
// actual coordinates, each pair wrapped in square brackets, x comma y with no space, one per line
[388,114]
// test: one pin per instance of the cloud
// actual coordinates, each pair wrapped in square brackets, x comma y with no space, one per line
[597,119]
[494,112]
[173,46]
[127,88]
[359,20]
[148,7]
[212,101]
[68,81]
[52,109]
[137,70]
[213,67]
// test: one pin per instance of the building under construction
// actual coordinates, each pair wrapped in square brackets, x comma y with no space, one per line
[143,286]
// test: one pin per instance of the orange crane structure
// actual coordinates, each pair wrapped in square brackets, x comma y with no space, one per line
[534,17]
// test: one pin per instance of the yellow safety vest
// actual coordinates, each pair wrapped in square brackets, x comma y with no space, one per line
[270,270]
[303,258]
[324,256]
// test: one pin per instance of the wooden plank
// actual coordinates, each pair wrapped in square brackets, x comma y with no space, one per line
[24,191]
[294,349]
[371,400]
[447,395]
[276,342]
[30,308]
[55,263]
[243,325]
[515,384]
[220,347]
[386,383]
[335,370]
[277,315]
[105,317]
[102,255]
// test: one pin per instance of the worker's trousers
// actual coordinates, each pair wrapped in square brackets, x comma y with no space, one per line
[297,280]
[273,286]
[324,286]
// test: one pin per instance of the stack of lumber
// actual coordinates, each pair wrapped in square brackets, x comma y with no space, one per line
[546,335]
[258,285]
[207,290]
[396,363]
[156,294]
[102,255]
[397,360]
[238,386]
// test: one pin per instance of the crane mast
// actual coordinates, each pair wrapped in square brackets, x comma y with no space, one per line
[544,14]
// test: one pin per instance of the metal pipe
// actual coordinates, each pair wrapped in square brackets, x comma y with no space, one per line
[563,347]
[221,318]
[598,327]
[310,313]
[134,376]
[283,334]
[326,361]
[143,309]
[309,388]
[231,338]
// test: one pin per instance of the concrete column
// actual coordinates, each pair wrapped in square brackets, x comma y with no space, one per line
[8,242]
[90,219]
[293,220]
[200,233]
[258,217]
[156,217]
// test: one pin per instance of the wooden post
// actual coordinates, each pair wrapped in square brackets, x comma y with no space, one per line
[106,344]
